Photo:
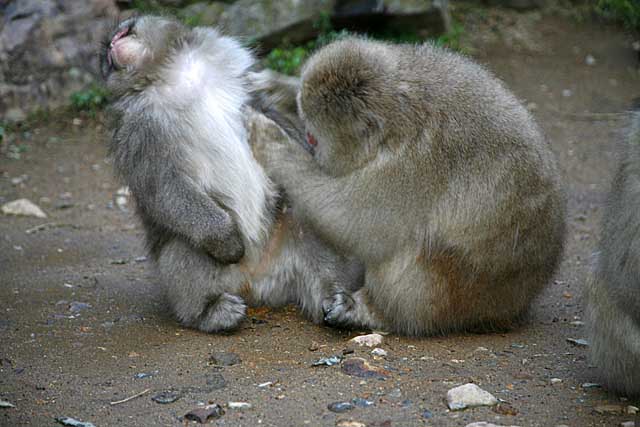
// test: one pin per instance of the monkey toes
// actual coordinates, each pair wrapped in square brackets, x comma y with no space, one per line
[224,314]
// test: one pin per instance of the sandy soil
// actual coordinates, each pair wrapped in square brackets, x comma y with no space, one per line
[58,358]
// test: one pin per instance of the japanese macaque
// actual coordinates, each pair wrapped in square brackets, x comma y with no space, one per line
[613,296]
[428,170]
[182,129]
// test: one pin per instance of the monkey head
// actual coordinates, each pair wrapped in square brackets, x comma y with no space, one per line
[133,50]
[346,99]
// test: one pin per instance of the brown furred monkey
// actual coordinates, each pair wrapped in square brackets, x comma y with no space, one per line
[613,295]
[181,142]
[428,170]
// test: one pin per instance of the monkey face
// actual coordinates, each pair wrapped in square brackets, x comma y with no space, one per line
[133,47]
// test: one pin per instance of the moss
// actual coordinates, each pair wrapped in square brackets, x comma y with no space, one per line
[625,11]
[90,99]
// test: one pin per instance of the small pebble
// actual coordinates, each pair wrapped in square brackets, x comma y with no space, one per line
[591,385]
[166,397]
[379,352]
[5,404]
[327,361]
[264,385]
[427,414]
[72,422]
[202,415]
[628,424]
[555,380]
[362,403]
[358,367]
[469,396]
[370,340]
[340,407]
[23,207]
[239,405]
[567,93]
[590,60]
[578,342]
[486,424]
[350,423]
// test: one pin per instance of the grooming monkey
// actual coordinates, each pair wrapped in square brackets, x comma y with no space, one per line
[613,296]
[181,141]
[428,170]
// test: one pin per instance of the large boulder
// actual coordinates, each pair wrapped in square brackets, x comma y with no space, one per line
[48,49]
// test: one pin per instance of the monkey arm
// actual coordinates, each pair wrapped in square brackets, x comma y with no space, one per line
[345,211]
[169,198]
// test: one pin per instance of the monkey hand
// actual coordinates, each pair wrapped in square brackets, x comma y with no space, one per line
[226,248]
[274,149]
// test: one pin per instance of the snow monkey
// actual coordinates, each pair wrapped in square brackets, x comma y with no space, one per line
[428,170]
[613,296]
[218,232]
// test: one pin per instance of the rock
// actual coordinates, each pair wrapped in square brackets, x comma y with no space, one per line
[47,50]
[370,340]
[504,408]
[608,409]
[340,407]
[591,385]
[590,60]
[350,423]
[166,397]
[239,405]
[225,359]
[397,14]
[121,198]
[358,367]
[469,396]
[5,404]
[71,422]
[23,207]
[628,424]
[268,20]
[327,361]
[518,4]
[15,115]
[203,415]
[77,307]
[631,410]
[204,13]
[215,382]
[427,414]
[555,381]
[362,403]
[578,342]
[486,424]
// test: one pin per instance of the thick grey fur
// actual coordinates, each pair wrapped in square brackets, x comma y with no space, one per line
[209,211]
[613,304]
[434,175]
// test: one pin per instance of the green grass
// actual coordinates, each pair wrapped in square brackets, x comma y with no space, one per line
[625,11]
[89,100]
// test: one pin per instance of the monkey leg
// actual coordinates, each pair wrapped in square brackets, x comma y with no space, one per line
[201,292]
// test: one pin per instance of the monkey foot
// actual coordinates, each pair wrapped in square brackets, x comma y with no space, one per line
[348,310]
[224,314]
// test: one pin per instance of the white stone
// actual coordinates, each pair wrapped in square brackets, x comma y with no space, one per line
[23,207]
[5,404]
[239,405]
[379,352]
[555,380]
[370,340]
[590,60]
[628,424]
[486,424]
[632,410]
[469,396]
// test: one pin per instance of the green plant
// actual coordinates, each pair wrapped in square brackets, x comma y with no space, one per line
[90,100]
[626,11]
[453,39]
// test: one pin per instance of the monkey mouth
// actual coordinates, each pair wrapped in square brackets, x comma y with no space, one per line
[109,61]
[312,142]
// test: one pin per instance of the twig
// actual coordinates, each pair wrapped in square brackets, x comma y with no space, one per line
[48,225]
[117,402]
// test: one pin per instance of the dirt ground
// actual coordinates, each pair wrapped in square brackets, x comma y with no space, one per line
[60,357]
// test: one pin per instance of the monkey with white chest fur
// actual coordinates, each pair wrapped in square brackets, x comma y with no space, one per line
[181,141]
